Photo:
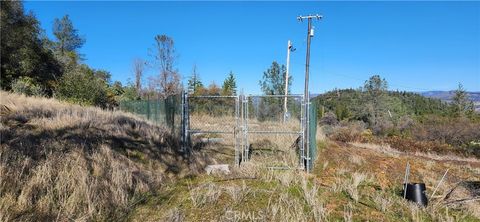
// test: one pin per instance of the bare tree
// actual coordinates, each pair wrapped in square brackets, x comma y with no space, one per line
[138,68]
[165,56]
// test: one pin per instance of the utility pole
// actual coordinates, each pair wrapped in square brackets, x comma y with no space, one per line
[306,135]
[285,110]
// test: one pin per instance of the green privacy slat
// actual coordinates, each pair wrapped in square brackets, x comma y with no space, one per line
[164,112]
[313,133]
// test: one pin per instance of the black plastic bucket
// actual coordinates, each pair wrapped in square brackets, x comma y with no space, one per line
[416,192]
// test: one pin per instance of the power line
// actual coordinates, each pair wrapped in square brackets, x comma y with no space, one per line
[389,83]
[363,80]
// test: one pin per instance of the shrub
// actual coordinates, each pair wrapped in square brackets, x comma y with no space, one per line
[329,119]
[474,148]
[82,87]
[454,131]
[383,126]
[27,86]
[129,93]
[407,144]
[349,132]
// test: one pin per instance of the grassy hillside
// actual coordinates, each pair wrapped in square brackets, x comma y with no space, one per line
[65,162]
[351,182]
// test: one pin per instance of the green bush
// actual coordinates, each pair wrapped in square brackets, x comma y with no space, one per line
[27,86]
[81,86]
[128,93]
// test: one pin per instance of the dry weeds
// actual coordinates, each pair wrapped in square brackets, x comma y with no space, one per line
[175,215]
[384,148]
[238,193]
[348,212]
[382,201]
[310,194]
[356,159]
[286,208]
[67,162]
[204,194]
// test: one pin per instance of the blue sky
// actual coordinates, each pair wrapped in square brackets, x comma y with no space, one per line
[416,46]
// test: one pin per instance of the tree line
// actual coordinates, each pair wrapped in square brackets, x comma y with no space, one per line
[403,119]
[375,105]
[35,65]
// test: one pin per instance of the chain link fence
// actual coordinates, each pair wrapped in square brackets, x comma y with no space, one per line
[240,128]
[166,112]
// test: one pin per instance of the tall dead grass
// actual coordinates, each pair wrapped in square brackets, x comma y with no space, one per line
[66,162]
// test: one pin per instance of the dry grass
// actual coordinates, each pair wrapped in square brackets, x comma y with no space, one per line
[358,160]
[387,149]
[204,194]
[382,201]
[175,215]
[385,167]
[286,208]
[449,157]
[310,194]
[269,149]
[349,185]
[238,193]
[383,148]
[342,191]
[66,162]
[63,162]
[228,123]
[348,212]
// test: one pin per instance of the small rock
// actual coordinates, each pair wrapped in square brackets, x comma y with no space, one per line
[217,168]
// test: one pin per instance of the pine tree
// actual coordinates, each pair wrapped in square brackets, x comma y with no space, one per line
[67,35]
[273,81]
[194,83]
[461,104]
[376,107]
[229,86]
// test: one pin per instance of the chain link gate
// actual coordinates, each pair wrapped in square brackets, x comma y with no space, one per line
[267,129]
[213,119]
[248,126]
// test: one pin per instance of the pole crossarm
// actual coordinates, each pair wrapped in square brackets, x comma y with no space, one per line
[317,16]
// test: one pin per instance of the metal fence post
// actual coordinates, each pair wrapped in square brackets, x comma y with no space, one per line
[185,123]
[302,127]
[148,110]
[236,130]
[246,150]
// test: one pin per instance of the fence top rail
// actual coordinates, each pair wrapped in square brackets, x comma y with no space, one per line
[281,96]
[212,96]
[210,131]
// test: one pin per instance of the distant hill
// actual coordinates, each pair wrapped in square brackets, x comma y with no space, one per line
[447,96]
[352,104]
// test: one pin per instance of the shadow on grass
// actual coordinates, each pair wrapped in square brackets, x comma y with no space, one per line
[122,135]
